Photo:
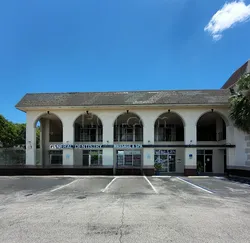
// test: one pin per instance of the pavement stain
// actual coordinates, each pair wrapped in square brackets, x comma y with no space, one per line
[101,230]
[81,197]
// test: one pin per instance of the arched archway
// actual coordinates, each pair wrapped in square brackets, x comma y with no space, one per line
[88,128]
[169,127]
[211,126]
[49,130]
[128,127]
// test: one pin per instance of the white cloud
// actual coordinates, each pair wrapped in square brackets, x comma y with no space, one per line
[227,17]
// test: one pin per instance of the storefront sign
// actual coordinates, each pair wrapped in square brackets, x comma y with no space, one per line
[93,146]
[120,146]
[76,146]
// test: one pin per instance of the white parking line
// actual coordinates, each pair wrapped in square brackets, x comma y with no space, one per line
[203,189]
[155,176]
[60,187]
[103,190]
[150,184]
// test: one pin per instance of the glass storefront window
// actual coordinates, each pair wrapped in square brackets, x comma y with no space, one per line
[167,159]
[129,158]
[92,157]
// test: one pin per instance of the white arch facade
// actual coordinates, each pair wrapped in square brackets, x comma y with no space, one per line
[185,155]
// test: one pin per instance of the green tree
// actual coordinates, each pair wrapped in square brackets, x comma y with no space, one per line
[21,133]
[8,132]
[13,134]
[240,103]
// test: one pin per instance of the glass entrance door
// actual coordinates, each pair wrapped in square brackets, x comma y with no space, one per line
[208,163]
[205,161]
[167,159]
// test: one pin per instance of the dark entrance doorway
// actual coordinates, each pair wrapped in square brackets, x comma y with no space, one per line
[205,161]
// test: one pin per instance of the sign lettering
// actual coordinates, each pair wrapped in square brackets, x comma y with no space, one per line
[127,146]
[93,146]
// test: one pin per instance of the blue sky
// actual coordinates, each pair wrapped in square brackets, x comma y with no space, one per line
[106,45]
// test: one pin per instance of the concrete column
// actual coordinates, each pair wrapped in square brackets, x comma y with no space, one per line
[45,124]
[108,157]
[68,138]
[219,128]
[230,157]
[148,139]
[30,141]
[42,144]
[148,158]
[230,151]
[190,137]
[148,130]
[108,138]
[230,134]
[108,130]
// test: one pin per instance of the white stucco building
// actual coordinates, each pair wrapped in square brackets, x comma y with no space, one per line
[128,132]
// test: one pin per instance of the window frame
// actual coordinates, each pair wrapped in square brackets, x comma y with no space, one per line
[121,131]
[88,153]
[128,152]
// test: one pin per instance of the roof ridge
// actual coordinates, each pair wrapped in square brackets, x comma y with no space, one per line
[124,91]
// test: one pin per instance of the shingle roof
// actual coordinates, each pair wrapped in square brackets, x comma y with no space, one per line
[219,96]
[245,68]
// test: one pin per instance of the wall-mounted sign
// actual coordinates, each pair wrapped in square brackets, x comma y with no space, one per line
[190,156]
[75,146]
[127,146]
[93,146]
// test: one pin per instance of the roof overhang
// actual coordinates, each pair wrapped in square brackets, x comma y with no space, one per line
[112,107]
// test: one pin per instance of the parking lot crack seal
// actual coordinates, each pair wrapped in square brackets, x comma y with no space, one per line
[122,223]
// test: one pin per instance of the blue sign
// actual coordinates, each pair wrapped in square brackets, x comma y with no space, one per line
[92,146]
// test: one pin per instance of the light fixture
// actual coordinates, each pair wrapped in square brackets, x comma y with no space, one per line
[107,141]
[232,91]
[29,146]
[148,141]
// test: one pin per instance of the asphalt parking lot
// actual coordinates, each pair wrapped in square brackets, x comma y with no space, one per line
[123,209]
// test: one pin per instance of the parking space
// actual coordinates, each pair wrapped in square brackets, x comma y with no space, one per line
[88,185]
[130,185]
[162,185]
[123,209]
[31,184]
[221,186]
[169,185]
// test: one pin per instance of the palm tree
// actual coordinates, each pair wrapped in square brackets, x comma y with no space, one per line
[240,103]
